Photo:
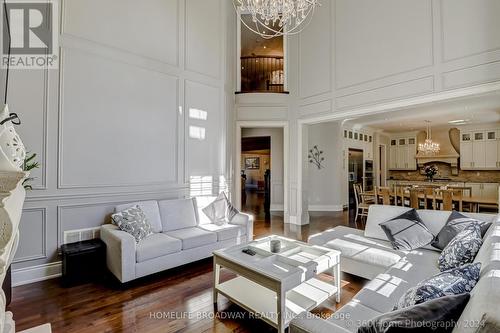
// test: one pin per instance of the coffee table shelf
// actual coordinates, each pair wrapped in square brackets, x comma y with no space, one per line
[262,301]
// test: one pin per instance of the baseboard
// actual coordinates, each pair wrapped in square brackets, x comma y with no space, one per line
[277,208]
[37,273]
[326,208]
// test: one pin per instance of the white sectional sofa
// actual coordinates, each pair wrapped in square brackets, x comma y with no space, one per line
[182,234]
[369,254]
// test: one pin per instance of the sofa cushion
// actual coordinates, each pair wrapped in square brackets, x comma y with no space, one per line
[150,209]
[353,245]
[224,232]
[202,202]
[193,237]
[456,223]
[220,211]
[134,221]
[452,282]
[378,214]
[437,313]
[351,315]
[462,249]
[407,231]
[157,245]
[177,214]
[416,266]
[383,292]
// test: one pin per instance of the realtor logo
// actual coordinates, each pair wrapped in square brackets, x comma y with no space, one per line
[32,29]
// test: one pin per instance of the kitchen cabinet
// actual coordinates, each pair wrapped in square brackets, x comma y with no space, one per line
[480,150]
[402,152]
[484,190]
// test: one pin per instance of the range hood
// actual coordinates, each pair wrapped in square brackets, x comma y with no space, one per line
[449,144]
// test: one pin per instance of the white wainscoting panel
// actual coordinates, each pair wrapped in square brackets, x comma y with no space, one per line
[148,29]
[472,75]
[203,51]
[117,123]
[203,133]
[469,27]
[376,39]
[33,229]
[315,56]
[392,92]
[33,114]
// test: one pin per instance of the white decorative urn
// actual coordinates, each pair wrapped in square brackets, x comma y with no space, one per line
[12,150]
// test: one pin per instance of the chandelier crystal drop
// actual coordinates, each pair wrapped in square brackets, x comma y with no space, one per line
[429,147]
[277,17]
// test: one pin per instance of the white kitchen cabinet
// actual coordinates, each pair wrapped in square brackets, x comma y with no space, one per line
[393,155]
[402,153]
[484,190]
[466,157]
[480,150]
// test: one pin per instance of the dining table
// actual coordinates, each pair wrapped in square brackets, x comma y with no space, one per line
[473,200]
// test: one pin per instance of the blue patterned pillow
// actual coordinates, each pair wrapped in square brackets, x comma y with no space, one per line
[452,282]
[462,249]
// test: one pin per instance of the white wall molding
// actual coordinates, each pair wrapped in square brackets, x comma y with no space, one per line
[60,177]
[22,276]
[326,208]
[43,250]
[276,208]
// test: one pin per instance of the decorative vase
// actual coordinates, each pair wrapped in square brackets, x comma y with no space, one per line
[12,150]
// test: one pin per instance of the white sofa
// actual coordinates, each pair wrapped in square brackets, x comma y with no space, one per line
[182,234]
[369,254]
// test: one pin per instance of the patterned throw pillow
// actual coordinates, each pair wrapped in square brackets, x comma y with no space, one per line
[220,211]
[134,221]
[462,249]
[407,231]
[456,223]
[452,282]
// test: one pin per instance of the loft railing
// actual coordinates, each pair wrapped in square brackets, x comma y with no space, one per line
[262,74]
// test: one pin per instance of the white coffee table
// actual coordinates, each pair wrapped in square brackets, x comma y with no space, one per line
[277,287]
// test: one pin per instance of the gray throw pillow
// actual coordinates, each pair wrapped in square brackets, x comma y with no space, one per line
[407,231]
[462,249]
[134,221]
[451,282]
[220,211]
[456,223]
[441,313]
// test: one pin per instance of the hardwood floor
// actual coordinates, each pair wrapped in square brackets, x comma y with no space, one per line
[177,300]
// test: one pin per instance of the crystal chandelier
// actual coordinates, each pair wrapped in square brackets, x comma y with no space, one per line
[277,17]
[429,147]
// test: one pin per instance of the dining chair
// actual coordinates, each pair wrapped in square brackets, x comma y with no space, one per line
[414,200]
[466,191]
[430,195]
[361,205]
[384,194]
[452,199]
[399,195]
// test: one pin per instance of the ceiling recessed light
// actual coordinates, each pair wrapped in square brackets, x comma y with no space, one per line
[458,121]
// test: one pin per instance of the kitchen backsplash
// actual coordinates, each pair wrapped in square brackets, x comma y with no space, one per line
[445,172]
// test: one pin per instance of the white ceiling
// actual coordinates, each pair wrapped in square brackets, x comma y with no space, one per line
[475,110]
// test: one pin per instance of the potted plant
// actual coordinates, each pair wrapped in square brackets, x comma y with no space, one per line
[430,171]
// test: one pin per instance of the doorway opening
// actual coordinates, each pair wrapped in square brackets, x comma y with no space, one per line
[355,174]
[262,174]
